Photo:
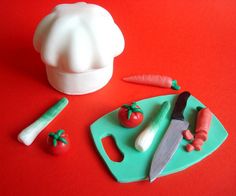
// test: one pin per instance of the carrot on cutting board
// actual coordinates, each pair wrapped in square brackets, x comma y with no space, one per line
[189,147]
[187,135]
[153,80]
[203,120]
[203,123]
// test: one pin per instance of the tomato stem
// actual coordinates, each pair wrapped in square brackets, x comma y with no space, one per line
[57,137]
[132,108]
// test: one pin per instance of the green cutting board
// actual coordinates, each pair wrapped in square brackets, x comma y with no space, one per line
[135,165]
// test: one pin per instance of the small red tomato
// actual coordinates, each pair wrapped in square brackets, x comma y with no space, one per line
[58,142]
[130,115]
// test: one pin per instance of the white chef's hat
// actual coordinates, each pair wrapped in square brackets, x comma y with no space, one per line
[78,43]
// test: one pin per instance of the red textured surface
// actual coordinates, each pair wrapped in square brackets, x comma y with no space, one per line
[192,41]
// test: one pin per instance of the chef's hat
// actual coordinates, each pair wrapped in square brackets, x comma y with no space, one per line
[78,43]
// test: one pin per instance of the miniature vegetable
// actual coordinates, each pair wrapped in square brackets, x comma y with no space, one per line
[130,115]
[58,142]
[203,120]
[153,80]
[187,134]
[189,147]
[28,135]
[145,138]
[203,123]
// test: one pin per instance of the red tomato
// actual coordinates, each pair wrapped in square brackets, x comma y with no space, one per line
[130,115]
[58,142]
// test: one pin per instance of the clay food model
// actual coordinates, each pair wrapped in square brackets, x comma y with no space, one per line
[135,165]
[153,80]
[204,118]
[78,43]
[145,138]
[28,135]
[130,115]
[58,142]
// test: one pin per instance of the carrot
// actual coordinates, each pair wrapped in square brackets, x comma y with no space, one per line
[203,120]
[203,123]
[197,143]
[187,135]
[153,80]
[189,147]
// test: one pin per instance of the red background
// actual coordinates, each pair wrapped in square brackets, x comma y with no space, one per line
[192,41]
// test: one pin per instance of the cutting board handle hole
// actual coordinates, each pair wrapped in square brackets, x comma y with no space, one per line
[111,149]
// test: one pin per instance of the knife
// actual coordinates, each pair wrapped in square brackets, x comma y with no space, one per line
[171,139]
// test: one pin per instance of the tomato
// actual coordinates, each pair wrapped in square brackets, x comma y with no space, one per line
[130,115]
[58,142]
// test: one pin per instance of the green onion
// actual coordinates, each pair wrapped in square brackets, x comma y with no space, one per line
[145,138]
[28,135]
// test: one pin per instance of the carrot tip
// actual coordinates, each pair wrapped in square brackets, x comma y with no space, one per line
[174,85]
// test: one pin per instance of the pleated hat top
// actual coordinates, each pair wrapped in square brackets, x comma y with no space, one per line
[78,43]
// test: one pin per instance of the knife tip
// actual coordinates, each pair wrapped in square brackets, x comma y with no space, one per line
[151,179]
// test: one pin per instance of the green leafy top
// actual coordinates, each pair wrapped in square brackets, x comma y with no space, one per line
[175,85]
[132,108]
[57,137]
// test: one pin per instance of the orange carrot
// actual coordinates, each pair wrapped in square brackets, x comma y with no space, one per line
[187,134]
[203,120]
[203,123]
[189,147]
[153,80]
